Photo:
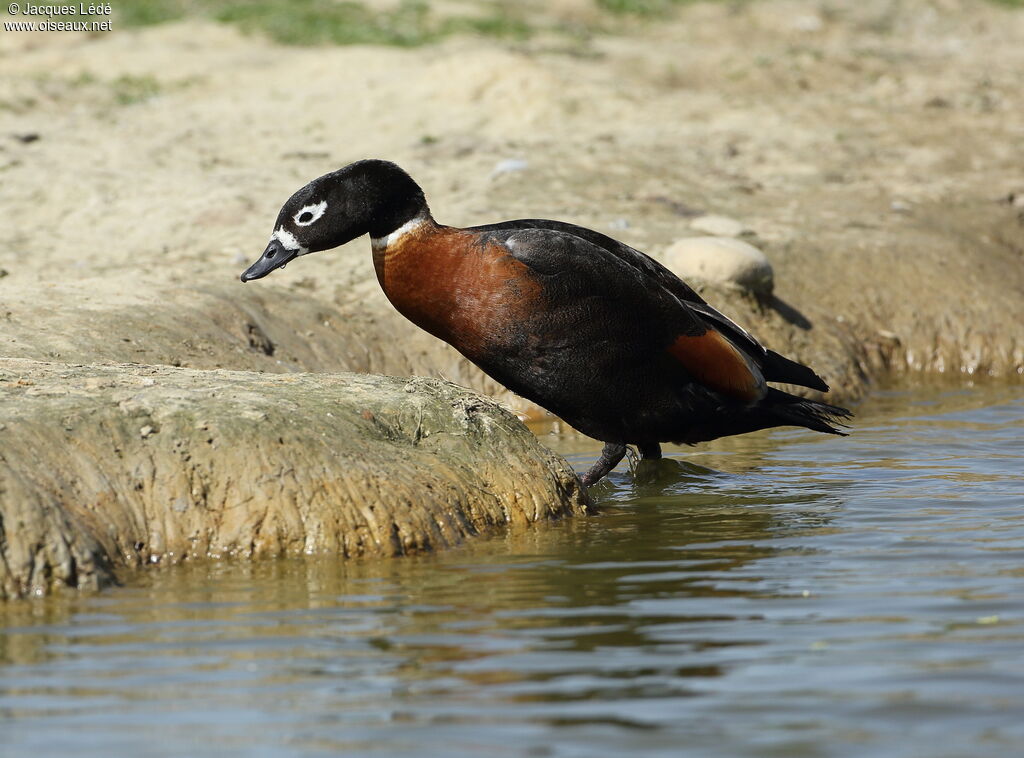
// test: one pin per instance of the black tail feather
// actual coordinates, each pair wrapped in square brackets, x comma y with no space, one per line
[798,411]
[778,368]
[777,408]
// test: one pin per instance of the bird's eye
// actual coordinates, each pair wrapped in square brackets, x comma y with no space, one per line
[310,213]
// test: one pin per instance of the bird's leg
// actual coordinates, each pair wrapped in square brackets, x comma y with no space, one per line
[651,451]
[610,457]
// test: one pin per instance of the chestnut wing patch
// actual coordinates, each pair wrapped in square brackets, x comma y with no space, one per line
[716,363]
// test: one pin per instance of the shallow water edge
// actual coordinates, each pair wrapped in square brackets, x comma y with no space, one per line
[785,594]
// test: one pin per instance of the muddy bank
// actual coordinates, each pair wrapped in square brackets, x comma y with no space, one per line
[226,325]
[125,465]
[268,327]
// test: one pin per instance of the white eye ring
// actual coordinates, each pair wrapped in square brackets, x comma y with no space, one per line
[316,210]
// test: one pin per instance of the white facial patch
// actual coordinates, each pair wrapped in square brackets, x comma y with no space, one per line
[381,243]
[288,241]
[310,213]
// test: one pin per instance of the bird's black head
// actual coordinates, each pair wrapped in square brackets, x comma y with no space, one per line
[370,196]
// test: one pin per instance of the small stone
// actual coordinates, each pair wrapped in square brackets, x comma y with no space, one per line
[808,22]
[509,166]
[146,431]
[899,206]
[4,272]
[619,223]
[718,226]
[722,260]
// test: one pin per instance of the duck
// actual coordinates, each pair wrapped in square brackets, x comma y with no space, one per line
[594,331]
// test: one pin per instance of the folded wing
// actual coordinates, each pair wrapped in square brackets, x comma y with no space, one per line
[725,368]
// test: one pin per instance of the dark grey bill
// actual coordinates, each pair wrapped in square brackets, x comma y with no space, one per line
[275,256]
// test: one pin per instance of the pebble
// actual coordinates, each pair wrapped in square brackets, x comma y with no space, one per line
[719,226]
[722,260]
[808,22]
[509,166]
[146,431]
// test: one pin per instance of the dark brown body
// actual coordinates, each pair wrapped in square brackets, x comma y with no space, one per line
[591,329]
[620,364]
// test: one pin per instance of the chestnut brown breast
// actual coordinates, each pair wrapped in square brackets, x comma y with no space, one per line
[460,287]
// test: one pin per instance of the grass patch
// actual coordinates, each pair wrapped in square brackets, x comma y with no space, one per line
[500,25]
[331,22]
[128,89]
[407,24]
[640,7]
[146,12]
[317,22]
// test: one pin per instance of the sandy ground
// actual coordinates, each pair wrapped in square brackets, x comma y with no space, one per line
[874,153]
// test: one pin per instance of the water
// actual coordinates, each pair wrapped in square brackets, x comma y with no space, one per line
[780,594]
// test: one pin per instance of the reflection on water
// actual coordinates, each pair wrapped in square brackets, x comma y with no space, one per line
[783,594]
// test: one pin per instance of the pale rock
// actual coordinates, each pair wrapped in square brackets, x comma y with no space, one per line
[721,260]
[509,166]
[808,22]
